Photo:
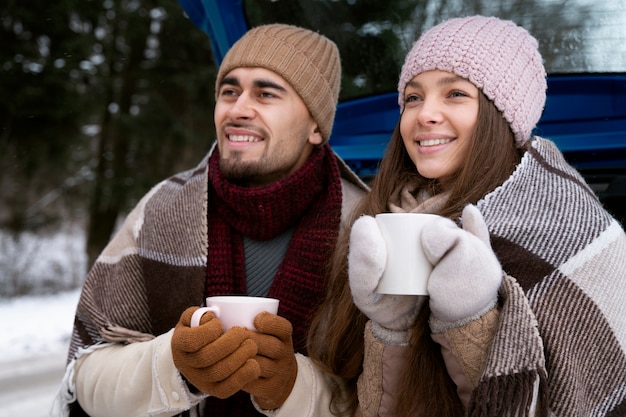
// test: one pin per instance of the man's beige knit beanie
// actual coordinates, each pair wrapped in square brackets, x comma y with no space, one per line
[307,60]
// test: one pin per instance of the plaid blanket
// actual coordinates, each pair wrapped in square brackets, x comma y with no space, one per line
[561,346]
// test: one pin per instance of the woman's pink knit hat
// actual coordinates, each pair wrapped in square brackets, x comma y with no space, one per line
[496,55]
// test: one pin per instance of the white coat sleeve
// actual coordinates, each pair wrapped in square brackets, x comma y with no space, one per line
[138,379]
[310,396]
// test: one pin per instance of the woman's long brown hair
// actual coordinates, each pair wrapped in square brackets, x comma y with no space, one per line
[336,340]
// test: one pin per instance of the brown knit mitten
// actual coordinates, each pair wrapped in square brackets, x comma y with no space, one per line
[217,363]
[277,360]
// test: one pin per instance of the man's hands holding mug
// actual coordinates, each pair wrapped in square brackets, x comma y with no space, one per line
[277,360]
[220,363]
[217,363]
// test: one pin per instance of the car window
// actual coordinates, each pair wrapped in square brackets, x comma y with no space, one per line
[575,36]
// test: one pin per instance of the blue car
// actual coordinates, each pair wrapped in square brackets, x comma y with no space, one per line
[583,44]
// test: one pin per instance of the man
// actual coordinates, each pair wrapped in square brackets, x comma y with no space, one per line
[259,216]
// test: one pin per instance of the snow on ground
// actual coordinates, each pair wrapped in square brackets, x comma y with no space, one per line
[36,325]
[35,329]
[35,337]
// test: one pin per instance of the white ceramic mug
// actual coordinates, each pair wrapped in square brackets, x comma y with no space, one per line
[407,269]
[235,310]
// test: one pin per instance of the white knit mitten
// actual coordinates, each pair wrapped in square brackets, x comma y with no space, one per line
[466,275]
[391,315]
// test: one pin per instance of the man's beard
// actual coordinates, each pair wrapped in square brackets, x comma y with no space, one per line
[238,171]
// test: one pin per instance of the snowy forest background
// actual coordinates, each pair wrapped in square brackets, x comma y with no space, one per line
[100,100]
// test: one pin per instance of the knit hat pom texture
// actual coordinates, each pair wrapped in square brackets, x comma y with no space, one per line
[308,61]
[497,56]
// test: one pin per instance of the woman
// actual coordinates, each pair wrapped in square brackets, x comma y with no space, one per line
[523,313]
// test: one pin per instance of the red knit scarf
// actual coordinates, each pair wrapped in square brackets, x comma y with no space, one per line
[310,200]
